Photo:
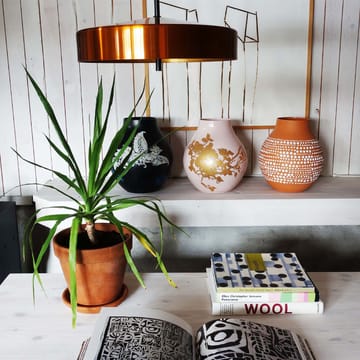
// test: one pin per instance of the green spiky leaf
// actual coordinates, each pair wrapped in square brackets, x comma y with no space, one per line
[89,194]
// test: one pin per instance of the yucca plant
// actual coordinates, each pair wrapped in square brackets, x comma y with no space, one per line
[93,202]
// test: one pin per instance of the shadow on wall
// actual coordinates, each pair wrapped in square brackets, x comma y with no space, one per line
[23,215]
[320,248]
[39,235]
[9,241]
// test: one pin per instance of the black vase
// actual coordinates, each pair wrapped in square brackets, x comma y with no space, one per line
[152,169]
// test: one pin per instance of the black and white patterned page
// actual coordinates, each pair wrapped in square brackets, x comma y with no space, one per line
[140,335]
[236,339]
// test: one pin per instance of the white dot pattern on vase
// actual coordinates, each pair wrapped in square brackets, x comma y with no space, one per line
[291,161]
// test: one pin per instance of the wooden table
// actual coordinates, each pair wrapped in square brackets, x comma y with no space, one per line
[44,331]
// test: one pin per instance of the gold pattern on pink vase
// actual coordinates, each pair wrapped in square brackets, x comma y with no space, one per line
[291,159]
[213,164]
[215,160]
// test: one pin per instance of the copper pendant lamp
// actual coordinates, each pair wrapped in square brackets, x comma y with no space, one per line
[156,40]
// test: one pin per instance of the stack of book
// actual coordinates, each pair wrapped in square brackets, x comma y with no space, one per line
[261,283]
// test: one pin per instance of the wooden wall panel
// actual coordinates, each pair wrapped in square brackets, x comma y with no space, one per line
[355,125]
[7,159]
[329,76]
[346,86]
[334,100]
[52,82]
[33,47]
[22,134]
[39,34]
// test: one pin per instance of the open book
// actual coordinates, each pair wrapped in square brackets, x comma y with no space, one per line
[127,333]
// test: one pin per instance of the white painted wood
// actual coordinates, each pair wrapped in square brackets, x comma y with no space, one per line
[258,138]
[124,93]
[8,160]
[177,143]
[354,167]
[53,69]
[209,95]
[44,330]
[138,84]
[87,73]
[330,71]
[333,201]
[34,61]
[71,80]
[316,63]
[106,72]
[18,87]
[346,86]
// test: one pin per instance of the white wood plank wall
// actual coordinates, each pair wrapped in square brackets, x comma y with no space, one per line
[40,34]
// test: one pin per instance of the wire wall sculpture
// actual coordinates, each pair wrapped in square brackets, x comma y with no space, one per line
[187,15]
[246,24]
[269,78]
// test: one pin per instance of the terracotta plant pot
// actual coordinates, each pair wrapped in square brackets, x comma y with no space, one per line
[99,272]
[291,158]
[215,160]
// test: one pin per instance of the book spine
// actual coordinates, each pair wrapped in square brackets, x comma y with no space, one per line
[267,308]
[257,297]
[255,290]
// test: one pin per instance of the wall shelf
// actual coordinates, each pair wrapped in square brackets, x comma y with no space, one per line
[330,201]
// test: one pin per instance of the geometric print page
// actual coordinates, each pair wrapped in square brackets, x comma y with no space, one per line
[144,338]
[235,339]
[129,333]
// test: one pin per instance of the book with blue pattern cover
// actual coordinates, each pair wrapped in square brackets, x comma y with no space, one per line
[259,272]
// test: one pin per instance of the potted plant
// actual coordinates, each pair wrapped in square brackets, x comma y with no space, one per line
[94,213]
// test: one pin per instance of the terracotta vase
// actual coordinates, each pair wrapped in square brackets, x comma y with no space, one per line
[99,272]
[291,158]
[215,160]
[151,170]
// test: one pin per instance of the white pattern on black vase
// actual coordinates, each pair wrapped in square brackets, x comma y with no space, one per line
[152,168]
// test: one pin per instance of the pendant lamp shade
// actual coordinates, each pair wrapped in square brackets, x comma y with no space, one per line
[153,39]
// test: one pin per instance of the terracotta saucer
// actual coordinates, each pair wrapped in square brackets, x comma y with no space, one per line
[89,309]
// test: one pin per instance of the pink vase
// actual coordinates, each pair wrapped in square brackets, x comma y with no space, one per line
[215,160]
